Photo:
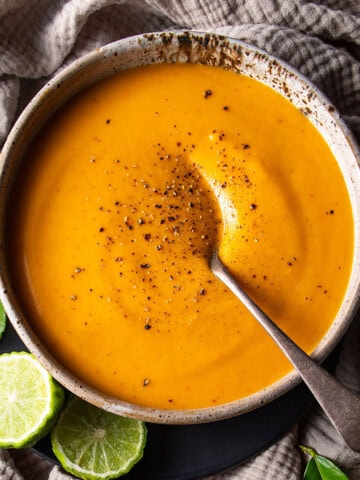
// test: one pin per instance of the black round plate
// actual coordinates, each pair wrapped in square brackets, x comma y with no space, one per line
[192,452]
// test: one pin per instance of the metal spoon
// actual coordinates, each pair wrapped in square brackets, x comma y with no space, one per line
[340,404]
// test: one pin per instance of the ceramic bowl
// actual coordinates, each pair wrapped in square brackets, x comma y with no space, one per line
[195,48]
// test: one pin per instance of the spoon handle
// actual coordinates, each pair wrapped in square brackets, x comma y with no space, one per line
[340,404]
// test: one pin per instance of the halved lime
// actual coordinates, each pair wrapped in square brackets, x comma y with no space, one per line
[30,400]
[94,444]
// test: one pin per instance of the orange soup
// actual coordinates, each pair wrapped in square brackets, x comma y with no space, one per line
[125,194]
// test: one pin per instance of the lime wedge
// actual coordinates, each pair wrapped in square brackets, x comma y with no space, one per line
[93,444]
[30,400]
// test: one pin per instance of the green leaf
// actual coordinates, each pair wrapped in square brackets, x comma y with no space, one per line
[2,320]
[328,470]
[321,468]
[311,471]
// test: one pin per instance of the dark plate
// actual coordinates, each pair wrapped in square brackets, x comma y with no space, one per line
[196,451]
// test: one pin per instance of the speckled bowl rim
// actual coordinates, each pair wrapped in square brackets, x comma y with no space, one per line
[194,47]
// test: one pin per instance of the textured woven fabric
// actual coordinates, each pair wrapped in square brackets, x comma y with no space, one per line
[320,38]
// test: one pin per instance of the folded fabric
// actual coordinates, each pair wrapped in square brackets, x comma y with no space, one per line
[320,38]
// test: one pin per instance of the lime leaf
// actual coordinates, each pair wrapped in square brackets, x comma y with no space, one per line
[30,400]
[321,468]
[2,320]
[94,444]
[311,471]
[328,470]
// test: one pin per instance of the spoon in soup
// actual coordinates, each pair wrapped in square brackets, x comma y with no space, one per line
[340,405]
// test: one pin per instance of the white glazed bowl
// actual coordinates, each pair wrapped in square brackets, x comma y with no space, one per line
[195,48]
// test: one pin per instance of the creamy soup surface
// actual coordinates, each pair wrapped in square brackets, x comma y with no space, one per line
[125,194]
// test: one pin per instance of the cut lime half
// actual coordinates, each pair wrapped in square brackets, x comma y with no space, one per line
[30,400]
[94,444]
